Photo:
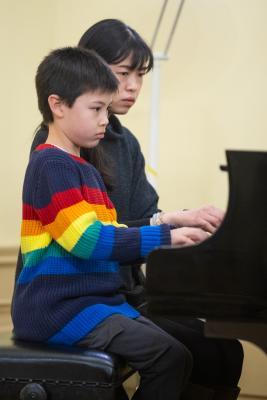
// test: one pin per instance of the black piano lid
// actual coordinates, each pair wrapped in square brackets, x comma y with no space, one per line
[225,276]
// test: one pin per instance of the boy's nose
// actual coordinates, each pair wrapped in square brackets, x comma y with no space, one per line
[105,120]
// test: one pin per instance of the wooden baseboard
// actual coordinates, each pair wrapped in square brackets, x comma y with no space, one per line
[5,318]
[8,260]
[8,256]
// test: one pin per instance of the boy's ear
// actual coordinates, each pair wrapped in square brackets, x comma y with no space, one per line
[56,105]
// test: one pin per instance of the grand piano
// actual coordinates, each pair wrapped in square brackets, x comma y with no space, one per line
[223,279]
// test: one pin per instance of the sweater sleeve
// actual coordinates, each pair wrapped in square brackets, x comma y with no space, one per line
[74,223]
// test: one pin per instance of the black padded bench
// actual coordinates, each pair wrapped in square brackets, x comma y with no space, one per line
[41,372]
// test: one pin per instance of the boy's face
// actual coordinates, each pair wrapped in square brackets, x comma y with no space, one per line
[84,123]
[130,84]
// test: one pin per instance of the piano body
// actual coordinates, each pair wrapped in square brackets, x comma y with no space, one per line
[223,279]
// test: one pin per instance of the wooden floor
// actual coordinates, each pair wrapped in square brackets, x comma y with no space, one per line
[247,397]
[130,393]
[133,381]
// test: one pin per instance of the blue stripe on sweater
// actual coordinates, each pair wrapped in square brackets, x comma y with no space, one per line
[150,238]
[65,266]
[87,320]
[104,245]
[126,244]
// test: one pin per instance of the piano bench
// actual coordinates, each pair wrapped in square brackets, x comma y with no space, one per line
[32,371]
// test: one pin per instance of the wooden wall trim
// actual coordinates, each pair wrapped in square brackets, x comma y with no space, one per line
[4,305]
[5,318]
[8,256]
[8,260]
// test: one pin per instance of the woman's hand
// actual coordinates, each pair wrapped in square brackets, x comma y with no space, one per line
[208,218]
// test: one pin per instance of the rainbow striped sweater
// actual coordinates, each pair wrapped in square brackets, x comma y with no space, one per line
[71,247]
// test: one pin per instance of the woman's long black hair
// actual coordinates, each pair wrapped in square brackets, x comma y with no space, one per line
[114,41]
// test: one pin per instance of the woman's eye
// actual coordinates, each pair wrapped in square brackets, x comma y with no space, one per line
[125,73]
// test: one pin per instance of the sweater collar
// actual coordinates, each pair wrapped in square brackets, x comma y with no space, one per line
[45,146]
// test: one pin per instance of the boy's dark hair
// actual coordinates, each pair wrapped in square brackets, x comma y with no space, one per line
[70,72]
[114,41]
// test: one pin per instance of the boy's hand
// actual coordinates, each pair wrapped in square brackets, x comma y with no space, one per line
[188,236]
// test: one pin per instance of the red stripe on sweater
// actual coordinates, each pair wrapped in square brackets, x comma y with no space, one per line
[58,202]
[28,212]
[65,199]
[96,196]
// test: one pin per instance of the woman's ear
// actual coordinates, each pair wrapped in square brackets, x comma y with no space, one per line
[56,105]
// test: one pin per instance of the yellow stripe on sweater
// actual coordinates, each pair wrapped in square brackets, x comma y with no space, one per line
[114,223]
[36,242]
[66,217]
[73,233]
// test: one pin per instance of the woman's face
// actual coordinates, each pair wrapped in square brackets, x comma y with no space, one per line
[130,84]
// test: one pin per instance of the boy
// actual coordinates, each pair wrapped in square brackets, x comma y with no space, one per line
[71,243]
